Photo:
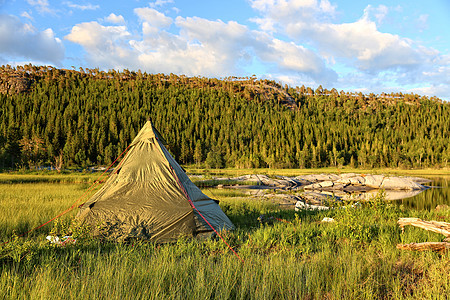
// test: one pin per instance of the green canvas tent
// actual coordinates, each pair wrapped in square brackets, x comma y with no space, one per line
[151,197]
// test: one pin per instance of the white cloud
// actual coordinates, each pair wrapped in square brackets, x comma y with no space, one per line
[42,6]
[358,46]
[327,7]
[292,59]
[379,13]
[309,21]
[195,46]
[26,15]
[359,43]
[432,90]
[105,45]
[115,19]
[153,17]
[201,47]
[284,13]
[23,40]
[160,3]
[363,45]
[82,7]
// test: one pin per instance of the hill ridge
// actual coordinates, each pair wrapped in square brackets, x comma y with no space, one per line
[87,117]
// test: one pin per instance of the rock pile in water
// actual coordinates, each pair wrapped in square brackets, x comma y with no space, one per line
[321,189]
[349,181]
[367,182]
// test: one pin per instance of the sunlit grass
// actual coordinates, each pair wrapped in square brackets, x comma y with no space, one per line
[25,206]
[292,256]
[232,172]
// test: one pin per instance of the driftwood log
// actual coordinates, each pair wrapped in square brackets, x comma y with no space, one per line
[434,226]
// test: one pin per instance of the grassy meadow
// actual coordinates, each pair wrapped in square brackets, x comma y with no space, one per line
[291,256]
[231,172]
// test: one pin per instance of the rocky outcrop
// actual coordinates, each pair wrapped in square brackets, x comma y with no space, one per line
[320,190]
[368,182]
[348,183]
[14,84]
[281,182]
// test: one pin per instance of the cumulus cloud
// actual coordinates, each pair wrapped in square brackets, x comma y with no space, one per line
[359,46]
[19,39]
[313,45]
[292,59]
[198,47]
[202,47]
[106,45]
[115,19]
[153,17]
[359,43]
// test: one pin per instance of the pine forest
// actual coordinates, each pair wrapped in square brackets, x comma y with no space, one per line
[87,117]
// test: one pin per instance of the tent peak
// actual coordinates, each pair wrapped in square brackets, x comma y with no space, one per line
[148,131]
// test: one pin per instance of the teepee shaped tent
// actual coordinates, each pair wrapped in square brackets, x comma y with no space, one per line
[151,197]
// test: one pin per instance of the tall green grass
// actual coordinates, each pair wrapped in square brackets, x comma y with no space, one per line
[25,206]
[292,256]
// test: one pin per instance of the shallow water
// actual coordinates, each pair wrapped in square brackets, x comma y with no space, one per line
[439,194]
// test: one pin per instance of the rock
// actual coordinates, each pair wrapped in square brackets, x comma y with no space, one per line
[418,180]
[339,186]
[442,207]
[399,183]
[356,189]
[357,180]
[347,175]
[327,220]
[388,194]
[318,177]
[14,84]
[318,198]
[373,181]
[348,181]
[314,186]
[300,205]
[283,200]
[326,184]
[253,178]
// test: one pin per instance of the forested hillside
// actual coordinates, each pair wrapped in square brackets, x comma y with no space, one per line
[88,117]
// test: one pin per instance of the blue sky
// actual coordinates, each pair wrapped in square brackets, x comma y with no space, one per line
[368,46]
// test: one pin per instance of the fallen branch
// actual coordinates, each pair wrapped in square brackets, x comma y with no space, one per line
[434,246]
[434,226]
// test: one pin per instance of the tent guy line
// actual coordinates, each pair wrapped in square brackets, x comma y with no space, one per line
[144,200]
[203,217]
[97,181]
[149,196]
